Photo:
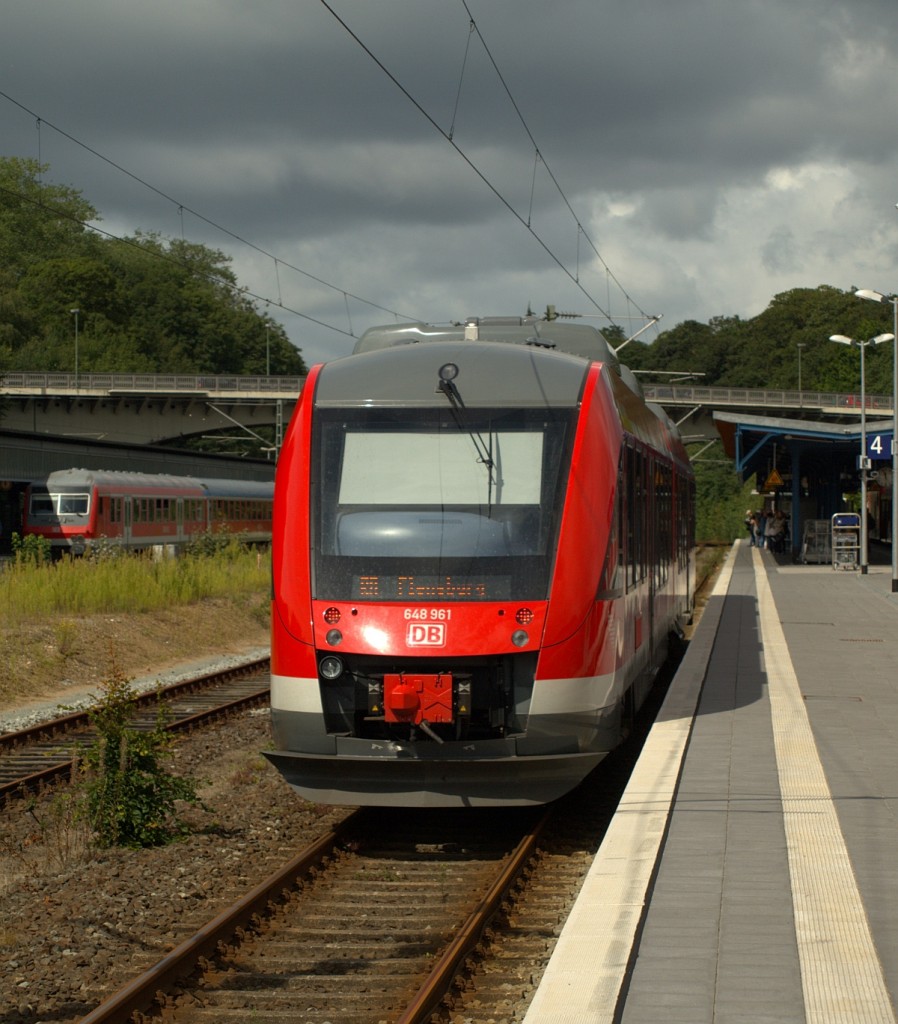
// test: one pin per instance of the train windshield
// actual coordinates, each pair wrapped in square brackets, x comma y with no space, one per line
[46,505]
[416,505]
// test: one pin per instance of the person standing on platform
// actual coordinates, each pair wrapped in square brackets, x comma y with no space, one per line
[776,532]
[760,528]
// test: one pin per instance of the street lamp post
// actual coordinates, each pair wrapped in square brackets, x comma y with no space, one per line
[76,312]
[868,293]
[863,460]
[267,349]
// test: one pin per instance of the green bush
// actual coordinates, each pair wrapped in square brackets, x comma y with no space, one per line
[31,550]
[131,799]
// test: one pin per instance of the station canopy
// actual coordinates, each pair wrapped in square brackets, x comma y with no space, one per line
[769,448]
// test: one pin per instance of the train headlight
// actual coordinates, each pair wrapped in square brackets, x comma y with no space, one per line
[334,637]
[330,667]
[520,638]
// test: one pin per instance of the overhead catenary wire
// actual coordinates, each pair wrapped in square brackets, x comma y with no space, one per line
[539,157]
[467,159]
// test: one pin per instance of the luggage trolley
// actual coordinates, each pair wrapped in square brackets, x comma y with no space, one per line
[846,540]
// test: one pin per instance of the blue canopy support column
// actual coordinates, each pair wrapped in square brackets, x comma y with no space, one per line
[796,526]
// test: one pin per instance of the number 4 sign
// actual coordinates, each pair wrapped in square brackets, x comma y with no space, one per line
[879,446]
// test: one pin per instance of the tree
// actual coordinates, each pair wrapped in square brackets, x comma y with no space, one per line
[38,220]
[145,304]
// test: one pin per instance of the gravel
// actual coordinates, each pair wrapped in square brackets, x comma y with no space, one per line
[78,923]
[78,699]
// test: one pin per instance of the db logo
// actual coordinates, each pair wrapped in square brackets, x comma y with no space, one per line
[430,634]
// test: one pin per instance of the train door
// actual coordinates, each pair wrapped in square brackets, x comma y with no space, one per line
[126,520]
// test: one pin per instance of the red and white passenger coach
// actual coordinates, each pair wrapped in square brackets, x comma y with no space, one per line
[482,542]
[80,509]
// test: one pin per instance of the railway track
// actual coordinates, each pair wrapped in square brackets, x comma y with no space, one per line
[41,754]
[398,916]
[370,923]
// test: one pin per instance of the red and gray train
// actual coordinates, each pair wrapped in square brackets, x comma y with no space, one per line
[482,545]
[78,510]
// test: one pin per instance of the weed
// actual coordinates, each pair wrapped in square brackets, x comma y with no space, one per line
[62,827]
[66,638]
[33,589]
[131,800]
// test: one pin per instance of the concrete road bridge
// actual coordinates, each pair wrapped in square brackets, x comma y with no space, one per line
[162,408]
[144,408]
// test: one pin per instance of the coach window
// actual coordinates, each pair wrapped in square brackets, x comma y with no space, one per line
[632,521]
[664,521]
[637,517]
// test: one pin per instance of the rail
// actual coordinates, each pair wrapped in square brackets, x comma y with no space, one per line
[39,754]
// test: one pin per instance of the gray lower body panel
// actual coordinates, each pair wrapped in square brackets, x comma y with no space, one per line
[433,781]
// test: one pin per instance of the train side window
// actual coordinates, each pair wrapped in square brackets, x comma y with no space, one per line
[637,517]
[621,512]
[664,525]
[632,519]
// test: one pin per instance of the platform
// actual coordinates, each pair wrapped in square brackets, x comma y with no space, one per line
[751,872]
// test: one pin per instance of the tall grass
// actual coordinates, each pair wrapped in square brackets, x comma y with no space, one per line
[132,583]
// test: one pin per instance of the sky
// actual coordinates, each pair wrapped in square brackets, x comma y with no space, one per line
[367,161]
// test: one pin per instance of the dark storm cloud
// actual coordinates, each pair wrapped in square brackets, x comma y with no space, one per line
[709,150]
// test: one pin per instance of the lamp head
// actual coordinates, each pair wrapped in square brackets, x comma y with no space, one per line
[869,293]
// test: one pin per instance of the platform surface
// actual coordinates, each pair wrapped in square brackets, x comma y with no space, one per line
[751,872]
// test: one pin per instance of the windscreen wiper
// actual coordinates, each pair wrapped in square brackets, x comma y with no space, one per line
[448,373]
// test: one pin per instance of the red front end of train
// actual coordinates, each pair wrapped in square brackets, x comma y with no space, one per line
[482,541]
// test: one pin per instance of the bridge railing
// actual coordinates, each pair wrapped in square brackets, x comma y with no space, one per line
[766,398]
[148,382]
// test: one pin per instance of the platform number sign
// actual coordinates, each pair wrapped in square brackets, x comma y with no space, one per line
[879,446]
